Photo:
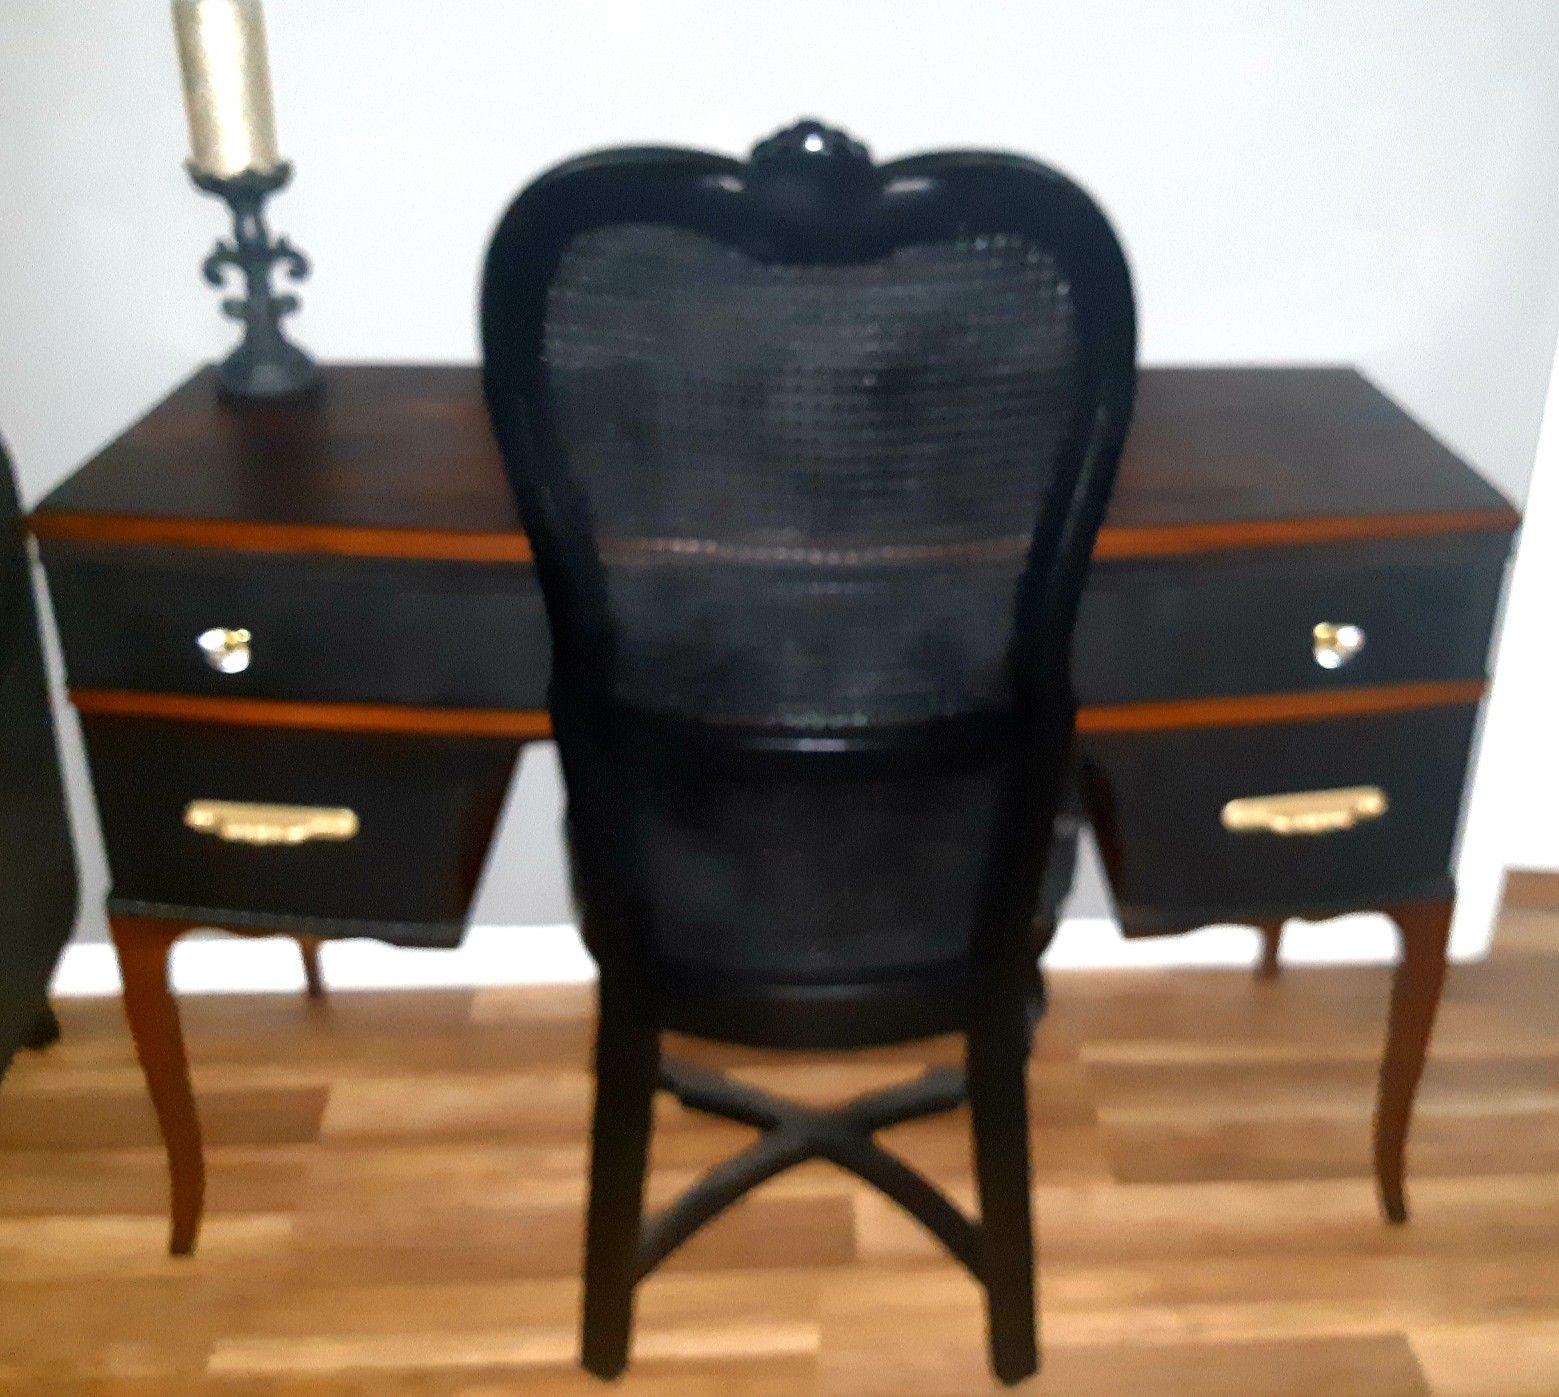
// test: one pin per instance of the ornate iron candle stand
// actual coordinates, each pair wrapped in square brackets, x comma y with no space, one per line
[265,364]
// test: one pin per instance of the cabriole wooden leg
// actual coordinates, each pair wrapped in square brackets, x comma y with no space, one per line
[143,944]
[1425,929]
[1271,944]
[308,947]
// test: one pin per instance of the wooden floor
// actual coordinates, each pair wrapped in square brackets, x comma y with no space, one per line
[396,1186]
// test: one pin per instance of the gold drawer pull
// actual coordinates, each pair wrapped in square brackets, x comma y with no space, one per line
[1334,644]
[242,822]
[1305,812]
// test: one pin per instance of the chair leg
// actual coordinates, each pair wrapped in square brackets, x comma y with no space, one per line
[627,1062]
[45,1032]
[998,1102]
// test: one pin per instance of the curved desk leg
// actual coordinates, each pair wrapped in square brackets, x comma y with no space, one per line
[143,944]
[1271,942]
[1425,929]
[308,947]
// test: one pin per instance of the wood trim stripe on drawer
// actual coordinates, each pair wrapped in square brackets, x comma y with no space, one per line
[536,724]
[518,723]
[482,546]
[1171,539]
[1277,708]
[244,536]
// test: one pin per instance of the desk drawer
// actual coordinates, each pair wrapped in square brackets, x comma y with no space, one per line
[423,810]
[1157,801]
[372,630]
[1244,623]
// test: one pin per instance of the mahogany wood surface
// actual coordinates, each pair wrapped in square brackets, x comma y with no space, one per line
[1269,966]
[144,946]
[313,976]
[537,723]
[1425,929]
[445,545]
[1246,709]
[523,724]
[398,460]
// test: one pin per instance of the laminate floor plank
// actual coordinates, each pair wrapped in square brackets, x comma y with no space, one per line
[396,1186]
[1161,1150]
[1498,1358]
[88,1182]
[55,1122]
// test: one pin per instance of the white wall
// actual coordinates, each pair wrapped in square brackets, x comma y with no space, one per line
[1512,817]
[1307,180]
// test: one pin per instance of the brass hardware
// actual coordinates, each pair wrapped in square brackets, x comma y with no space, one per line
[1305,812]
[242,822]
[1334,644]
[225,651]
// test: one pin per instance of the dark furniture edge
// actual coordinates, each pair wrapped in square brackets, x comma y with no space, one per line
[51,520]
[440,935]
[1141,922]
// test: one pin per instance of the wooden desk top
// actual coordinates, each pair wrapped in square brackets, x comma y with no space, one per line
[397,460]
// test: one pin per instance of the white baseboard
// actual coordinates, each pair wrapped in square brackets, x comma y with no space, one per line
[491,955]
[1095,943]
[539,955]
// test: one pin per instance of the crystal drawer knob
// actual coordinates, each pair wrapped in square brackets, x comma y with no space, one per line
[1334,644]
[225,651]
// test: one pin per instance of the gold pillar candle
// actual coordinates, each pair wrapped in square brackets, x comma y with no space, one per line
[227,86]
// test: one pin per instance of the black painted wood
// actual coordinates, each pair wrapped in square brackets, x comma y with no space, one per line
[997,1066]
[37,864]
[427,807]
[474,635]
[627,1069]
[651,775]
[1155,800]
[793,1134]
[367,630]
[1241,622]
[408,630]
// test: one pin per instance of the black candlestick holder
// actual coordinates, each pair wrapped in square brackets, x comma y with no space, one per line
[265,364]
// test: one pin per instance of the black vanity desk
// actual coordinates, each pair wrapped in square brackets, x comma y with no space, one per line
[307,649]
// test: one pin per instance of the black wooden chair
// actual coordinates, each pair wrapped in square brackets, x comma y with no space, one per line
[37,861]
[812,453]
